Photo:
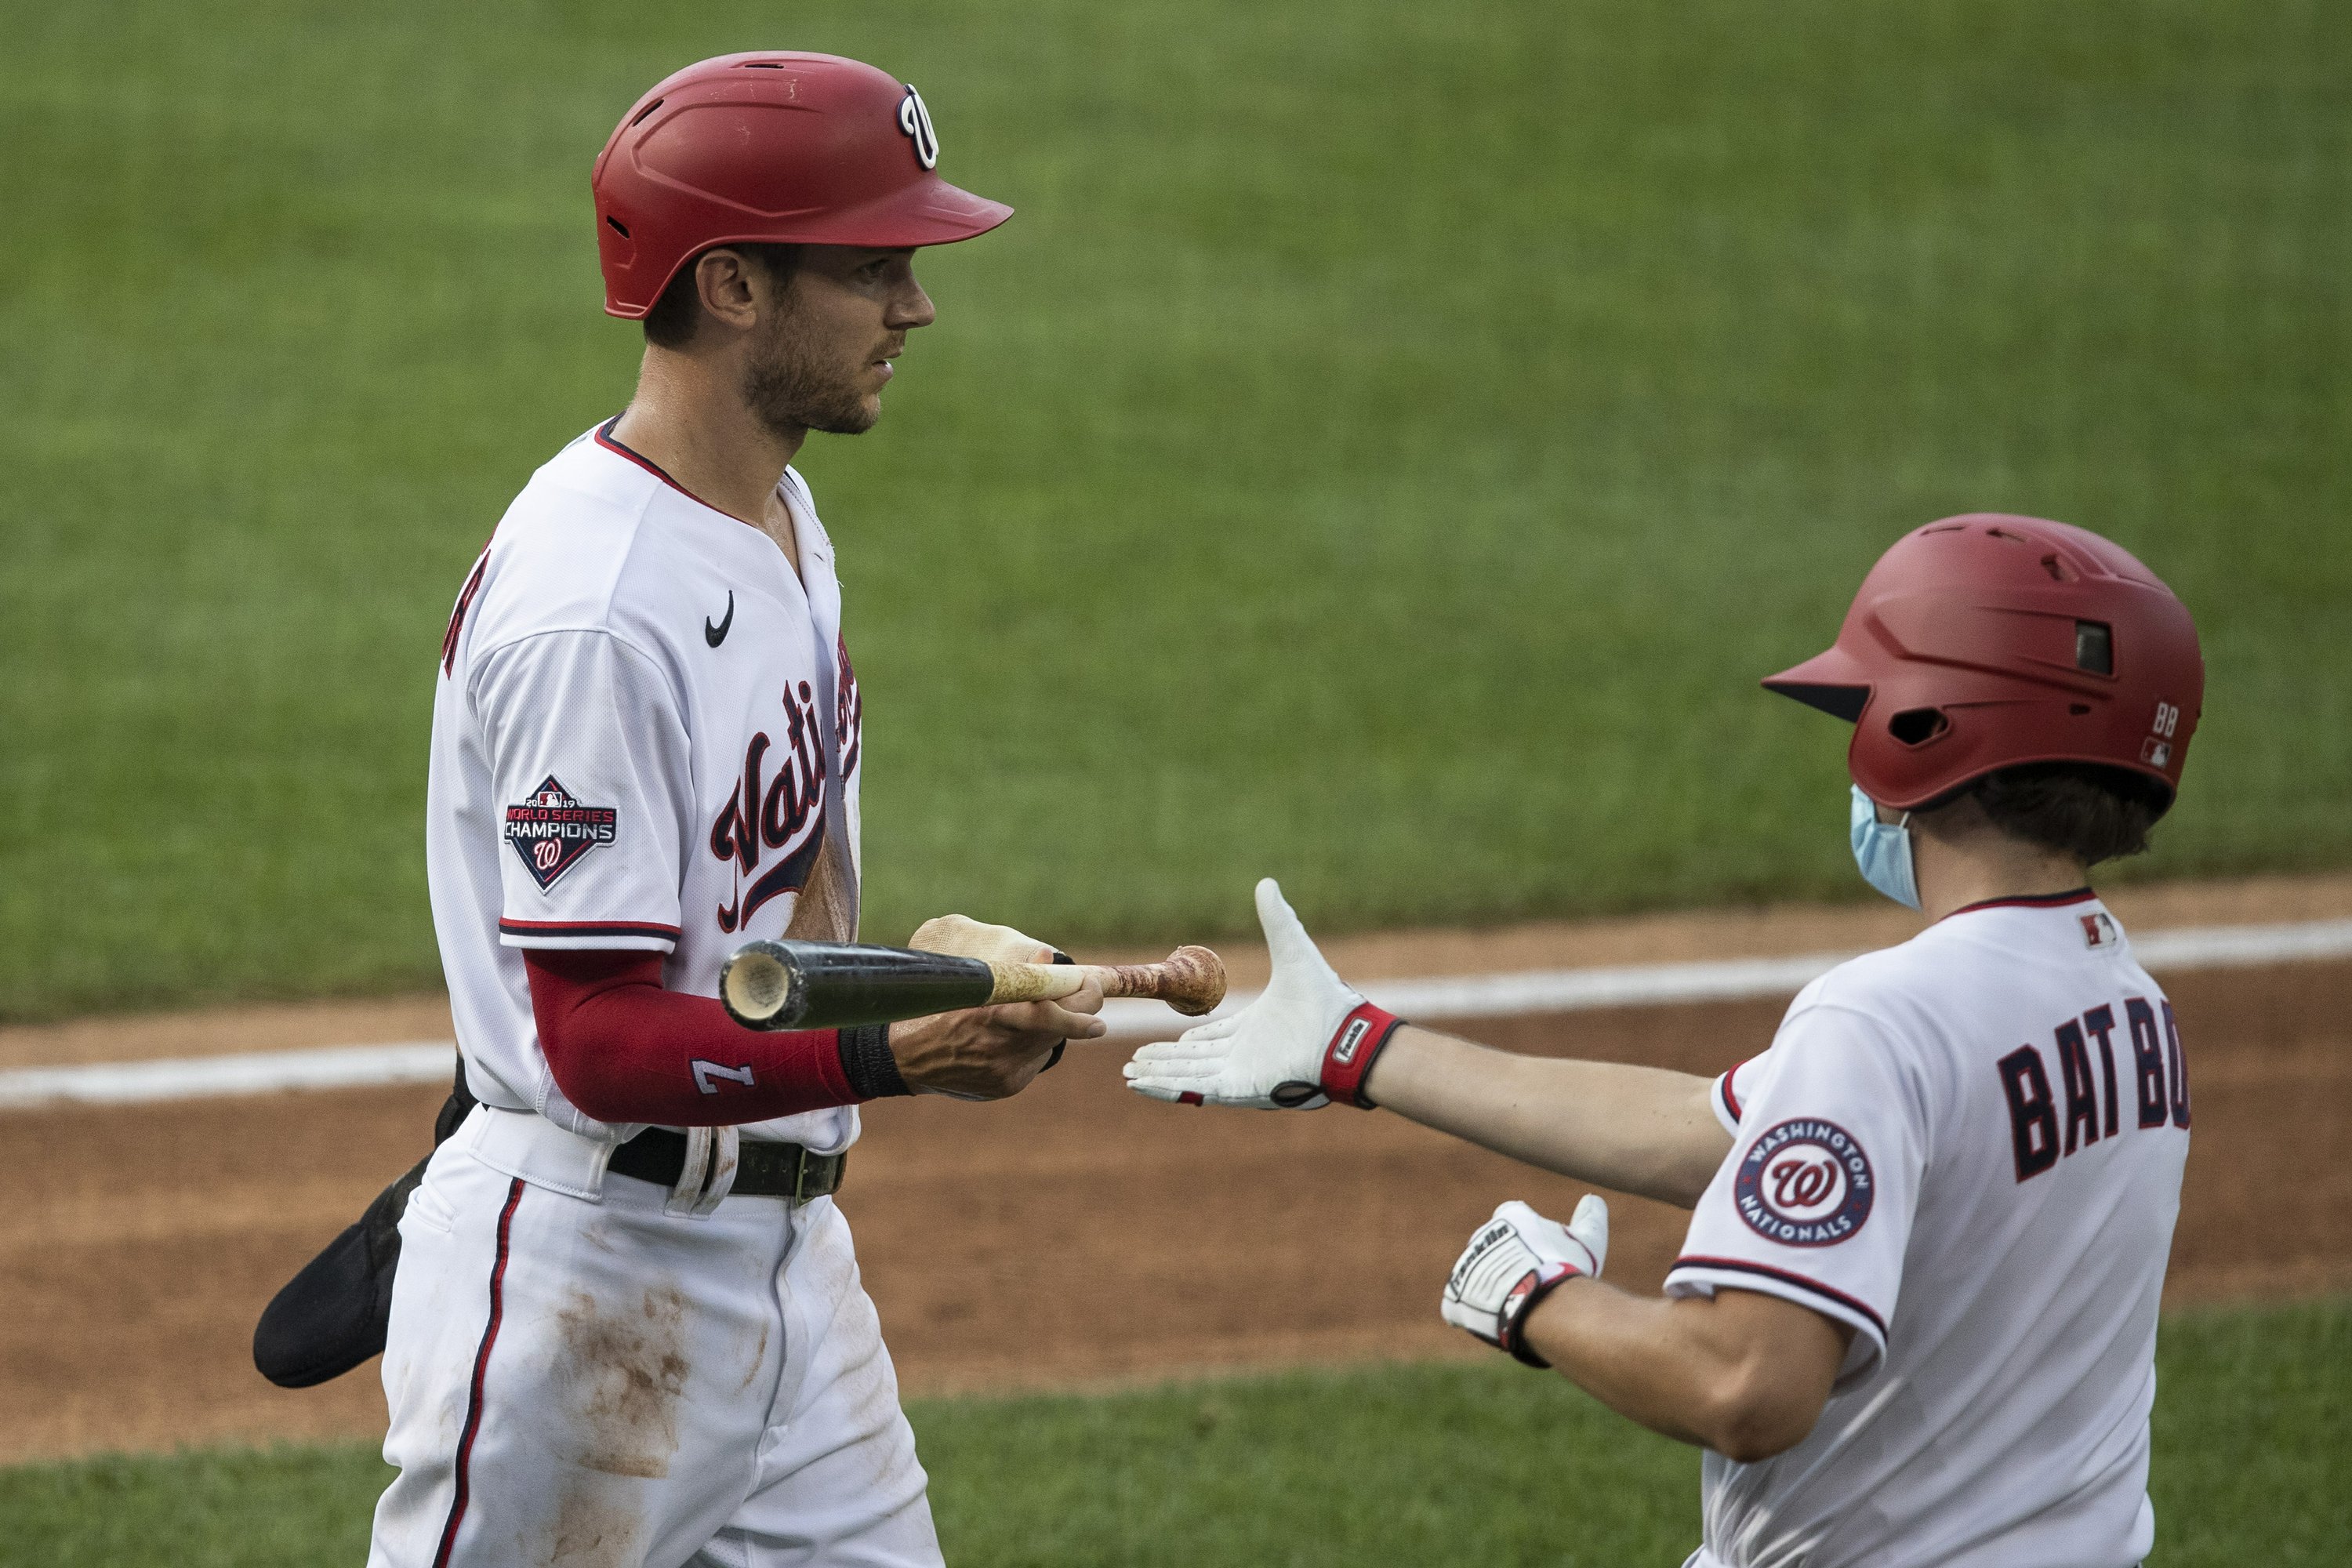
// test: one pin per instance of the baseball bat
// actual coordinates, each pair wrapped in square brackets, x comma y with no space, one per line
[835,984]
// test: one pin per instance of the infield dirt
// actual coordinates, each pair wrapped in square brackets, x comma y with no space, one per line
[1075,1234]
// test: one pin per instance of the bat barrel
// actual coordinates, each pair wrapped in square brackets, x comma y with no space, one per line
[830,985]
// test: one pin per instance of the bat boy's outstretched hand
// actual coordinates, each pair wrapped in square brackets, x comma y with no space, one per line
[1306,1040]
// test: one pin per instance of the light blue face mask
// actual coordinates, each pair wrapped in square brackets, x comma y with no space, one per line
[1883,851]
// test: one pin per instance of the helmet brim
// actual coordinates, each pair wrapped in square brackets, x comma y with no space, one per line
[1830,681]
[927,212]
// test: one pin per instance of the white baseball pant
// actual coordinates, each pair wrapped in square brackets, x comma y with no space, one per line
[577,1377]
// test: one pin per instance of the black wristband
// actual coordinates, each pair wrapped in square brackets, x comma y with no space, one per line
[867,1062]
[1515,1337]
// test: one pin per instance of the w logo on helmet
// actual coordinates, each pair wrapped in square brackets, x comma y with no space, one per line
[916,120]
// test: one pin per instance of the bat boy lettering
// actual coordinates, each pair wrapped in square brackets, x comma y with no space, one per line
[2093,1098]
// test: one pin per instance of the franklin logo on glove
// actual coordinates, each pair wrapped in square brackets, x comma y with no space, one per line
[1516,1259]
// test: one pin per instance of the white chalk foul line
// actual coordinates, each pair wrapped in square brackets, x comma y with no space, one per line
[205,1077]
[1449,997]
[2236,947]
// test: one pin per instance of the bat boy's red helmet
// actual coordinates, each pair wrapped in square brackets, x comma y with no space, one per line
[1985,641]
[776,148]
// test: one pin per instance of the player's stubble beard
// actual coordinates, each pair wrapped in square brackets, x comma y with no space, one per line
[792,391]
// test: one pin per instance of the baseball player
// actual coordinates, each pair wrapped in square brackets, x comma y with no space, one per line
[1913,1321]
[627,1326]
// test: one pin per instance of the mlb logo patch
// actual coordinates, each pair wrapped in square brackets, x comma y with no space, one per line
[552,830]
[2098,930]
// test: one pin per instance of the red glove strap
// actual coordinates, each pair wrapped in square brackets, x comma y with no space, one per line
[1348,1059]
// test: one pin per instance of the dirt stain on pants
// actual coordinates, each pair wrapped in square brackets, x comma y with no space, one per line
[622,1374]
[592,1531]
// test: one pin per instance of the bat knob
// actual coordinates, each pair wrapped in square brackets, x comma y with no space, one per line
[1196,981]
[762,987]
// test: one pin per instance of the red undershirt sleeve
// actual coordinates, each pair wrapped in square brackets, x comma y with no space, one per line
[624,1049]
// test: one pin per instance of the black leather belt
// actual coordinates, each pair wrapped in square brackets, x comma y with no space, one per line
[763,1170]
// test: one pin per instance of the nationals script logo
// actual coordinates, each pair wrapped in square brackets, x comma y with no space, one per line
[784,812]
[848,709]
[778,801]
[552,830]
[1804,1182]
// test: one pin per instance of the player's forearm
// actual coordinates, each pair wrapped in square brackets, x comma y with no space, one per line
[1742,1375]
[625,1049]
[1633,1129]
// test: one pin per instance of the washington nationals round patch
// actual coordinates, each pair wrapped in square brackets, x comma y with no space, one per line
[1805,1182]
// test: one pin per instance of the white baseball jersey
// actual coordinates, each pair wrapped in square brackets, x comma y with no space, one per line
[645,736]
[1969,1150]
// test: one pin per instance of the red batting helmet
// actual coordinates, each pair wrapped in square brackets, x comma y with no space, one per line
[1985,641]
[771,148]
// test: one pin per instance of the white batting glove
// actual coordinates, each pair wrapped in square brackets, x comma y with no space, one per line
[1307,1040]
[964,937]
[1513,1262]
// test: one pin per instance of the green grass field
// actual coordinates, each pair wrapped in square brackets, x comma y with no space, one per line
[1384,450]
[1400,1466]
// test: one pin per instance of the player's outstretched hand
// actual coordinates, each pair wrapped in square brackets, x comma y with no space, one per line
[1273,1054]
[988,1053]
[1513,1262]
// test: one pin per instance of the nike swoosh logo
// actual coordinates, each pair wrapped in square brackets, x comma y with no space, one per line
[716,635]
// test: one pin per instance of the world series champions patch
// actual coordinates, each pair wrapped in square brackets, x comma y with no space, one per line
[1804,1182]
[552,830]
